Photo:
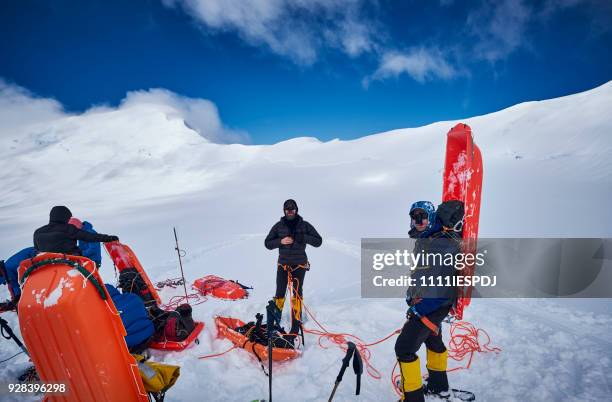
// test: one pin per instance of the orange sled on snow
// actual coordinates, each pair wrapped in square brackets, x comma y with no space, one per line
[73,331]
[220,288]
[124,258]
[225,328]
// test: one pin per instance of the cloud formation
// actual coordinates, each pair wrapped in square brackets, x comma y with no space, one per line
[298,29]
[303,29]
[499,28]
[200,115]
[20,109]
[421,64]
[18,106]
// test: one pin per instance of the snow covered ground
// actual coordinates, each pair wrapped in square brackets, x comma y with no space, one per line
[138,170]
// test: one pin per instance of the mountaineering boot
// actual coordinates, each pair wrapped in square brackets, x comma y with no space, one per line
[437,383]
[280,302]
[296,308]
[294,332]
[411,382]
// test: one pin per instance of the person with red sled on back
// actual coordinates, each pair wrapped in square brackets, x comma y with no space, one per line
[436,232]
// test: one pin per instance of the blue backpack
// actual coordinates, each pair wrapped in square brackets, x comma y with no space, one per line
[135,317]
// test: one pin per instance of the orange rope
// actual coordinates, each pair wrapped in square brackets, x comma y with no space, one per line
[340,339]
[218,354]
[460,345]
[464,341]
[192,299]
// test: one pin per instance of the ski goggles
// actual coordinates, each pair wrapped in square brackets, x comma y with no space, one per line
[419,215]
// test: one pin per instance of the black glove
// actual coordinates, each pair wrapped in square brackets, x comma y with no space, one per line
[113,238]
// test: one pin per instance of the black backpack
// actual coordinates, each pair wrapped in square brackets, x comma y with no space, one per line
[130,281]
[451,214]
[174,325]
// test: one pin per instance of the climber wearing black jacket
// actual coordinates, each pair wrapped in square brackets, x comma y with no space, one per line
[291,235]
[60,237]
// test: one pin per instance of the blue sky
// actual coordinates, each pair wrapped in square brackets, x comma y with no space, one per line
[278,69]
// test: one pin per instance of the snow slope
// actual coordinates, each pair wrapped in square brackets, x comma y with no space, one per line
[138,170]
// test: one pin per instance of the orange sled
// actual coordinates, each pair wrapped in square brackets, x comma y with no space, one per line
[220,288]
[124,258]
[225,327]
[176,346]
[73,331]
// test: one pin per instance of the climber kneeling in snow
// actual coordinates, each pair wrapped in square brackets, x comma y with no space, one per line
[8,275]
[291,235]
[435,233]
[58,236]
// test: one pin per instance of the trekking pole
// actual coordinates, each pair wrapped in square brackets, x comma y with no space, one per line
[353,353]
[271,320]
[8,333]
[178,251]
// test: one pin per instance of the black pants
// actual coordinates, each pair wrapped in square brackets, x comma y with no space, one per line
[297,275]
[297,278]
[414,333]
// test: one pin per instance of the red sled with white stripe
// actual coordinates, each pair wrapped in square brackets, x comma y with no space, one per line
[212,285]
[463,181]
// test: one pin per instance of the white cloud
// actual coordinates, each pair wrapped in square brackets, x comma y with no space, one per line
[421,64]
[500,27]
[200,115]
[20,108]
[298,29]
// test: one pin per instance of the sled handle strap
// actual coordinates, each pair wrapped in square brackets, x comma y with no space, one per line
[53,261]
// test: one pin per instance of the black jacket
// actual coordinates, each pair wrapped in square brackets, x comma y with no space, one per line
[60,237]
[438,244]
[302,232]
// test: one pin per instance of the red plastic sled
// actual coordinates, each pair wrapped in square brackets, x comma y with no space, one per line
[225,328]
[177,346]
[73,331]
[220,288]
[463,182]
[123,257]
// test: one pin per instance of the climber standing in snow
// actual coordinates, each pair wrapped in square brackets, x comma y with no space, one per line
[58,236]
[291,235]
[91,250]
[436,232]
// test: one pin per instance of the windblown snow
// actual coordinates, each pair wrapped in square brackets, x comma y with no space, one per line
[138,170]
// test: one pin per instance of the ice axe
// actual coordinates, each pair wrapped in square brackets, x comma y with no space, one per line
[351,353]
